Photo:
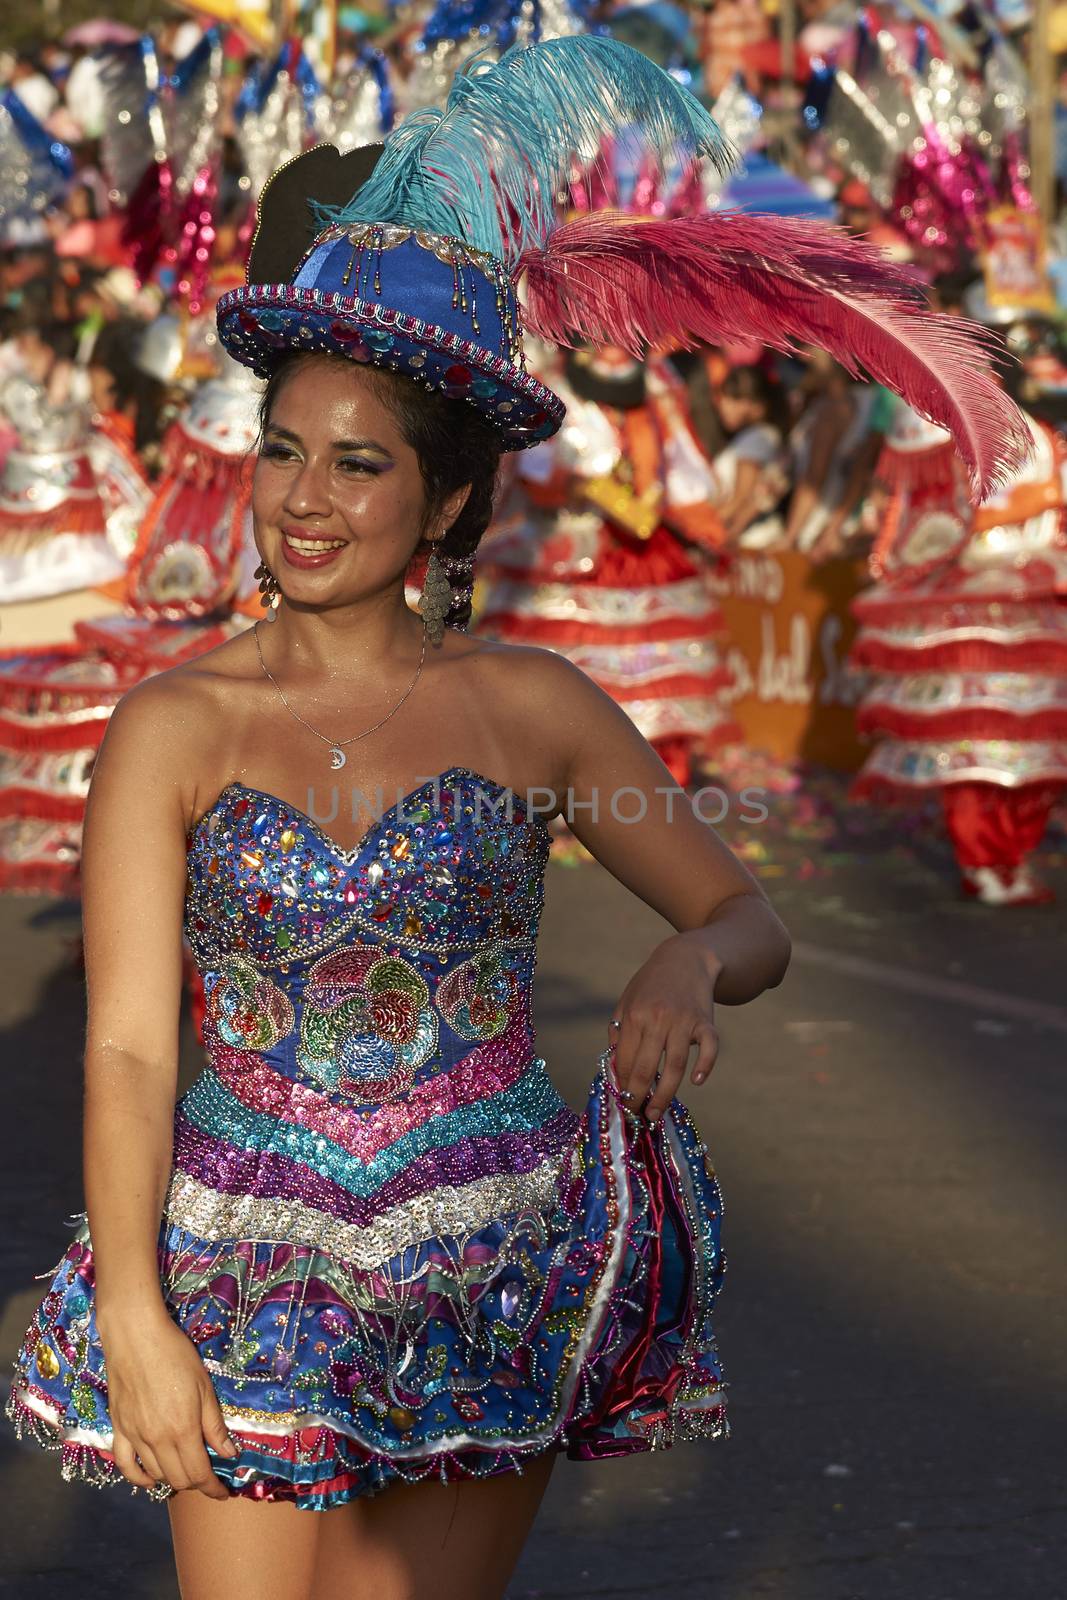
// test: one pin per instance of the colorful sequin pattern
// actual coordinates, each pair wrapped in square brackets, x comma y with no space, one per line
[397,1249]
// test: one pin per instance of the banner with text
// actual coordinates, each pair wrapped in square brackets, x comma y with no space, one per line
[789,633]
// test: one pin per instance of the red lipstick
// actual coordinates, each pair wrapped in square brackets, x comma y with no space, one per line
[306,560]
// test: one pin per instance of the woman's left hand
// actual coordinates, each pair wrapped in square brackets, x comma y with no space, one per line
[667,1006]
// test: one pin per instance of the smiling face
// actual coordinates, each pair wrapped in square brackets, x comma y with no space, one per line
[338,499]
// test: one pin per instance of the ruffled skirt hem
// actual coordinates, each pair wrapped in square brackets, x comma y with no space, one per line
[586,1329]
[320,1468]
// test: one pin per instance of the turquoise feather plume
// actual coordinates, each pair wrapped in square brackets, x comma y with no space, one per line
[489,168]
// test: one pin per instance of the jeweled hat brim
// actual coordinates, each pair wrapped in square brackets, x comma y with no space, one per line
[262,323]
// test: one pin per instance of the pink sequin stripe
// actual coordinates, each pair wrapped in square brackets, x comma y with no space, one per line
[487,1070]
[270,1175]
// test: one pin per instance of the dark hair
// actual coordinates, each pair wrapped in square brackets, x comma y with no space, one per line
[949,288]
[33,309]
[60,338]
[82,186]
[752,383]
[455,445]
[115,349]
[705,420]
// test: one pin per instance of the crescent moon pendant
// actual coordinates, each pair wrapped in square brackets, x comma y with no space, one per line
[337,757]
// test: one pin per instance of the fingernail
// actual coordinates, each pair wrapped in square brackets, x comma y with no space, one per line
[698,1077]
[653,1116]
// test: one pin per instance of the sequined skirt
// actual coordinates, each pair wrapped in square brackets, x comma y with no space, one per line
[581,1324]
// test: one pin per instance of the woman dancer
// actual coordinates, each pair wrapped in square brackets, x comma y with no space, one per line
[965,637]
[381,1251]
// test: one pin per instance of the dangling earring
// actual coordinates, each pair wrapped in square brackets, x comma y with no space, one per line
[269,593]
[435,601]
[460,571]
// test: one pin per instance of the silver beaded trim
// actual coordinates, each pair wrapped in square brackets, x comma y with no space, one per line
[208,1214]
[80,1460]
[603,607]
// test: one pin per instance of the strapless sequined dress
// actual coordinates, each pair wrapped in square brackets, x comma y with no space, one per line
[398,1251]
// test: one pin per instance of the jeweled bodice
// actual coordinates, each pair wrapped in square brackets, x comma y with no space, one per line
[459,860]
[361,973]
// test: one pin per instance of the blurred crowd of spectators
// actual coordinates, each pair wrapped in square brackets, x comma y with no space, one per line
[793,440]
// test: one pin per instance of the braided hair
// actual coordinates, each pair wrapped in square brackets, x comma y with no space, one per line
[455,445]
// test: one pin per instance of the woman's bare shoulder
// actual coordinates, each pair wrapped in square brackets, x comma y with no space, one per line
[197,681]
[227,662]
[546,704]
[531,676]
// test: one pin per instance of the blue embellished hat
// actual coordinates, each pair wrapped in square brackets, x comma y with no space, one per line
[415,271]
[413,302]
[406,256]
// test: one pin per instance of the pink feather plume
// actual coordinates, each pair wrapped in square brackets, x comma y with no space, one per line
[733,276]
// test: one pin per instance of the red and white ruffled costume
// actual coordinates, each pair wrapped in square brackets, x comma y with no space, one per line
[193,539]
[55,704]
[72,493]
[619,586]
[71,496]
[966,635]
[176,559]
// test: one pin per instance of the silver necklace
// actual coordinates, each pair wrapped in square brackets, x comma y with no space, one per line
[337,754]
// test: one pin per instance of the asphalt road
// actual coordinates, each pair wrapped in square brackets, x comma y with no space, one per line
[888,1127]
